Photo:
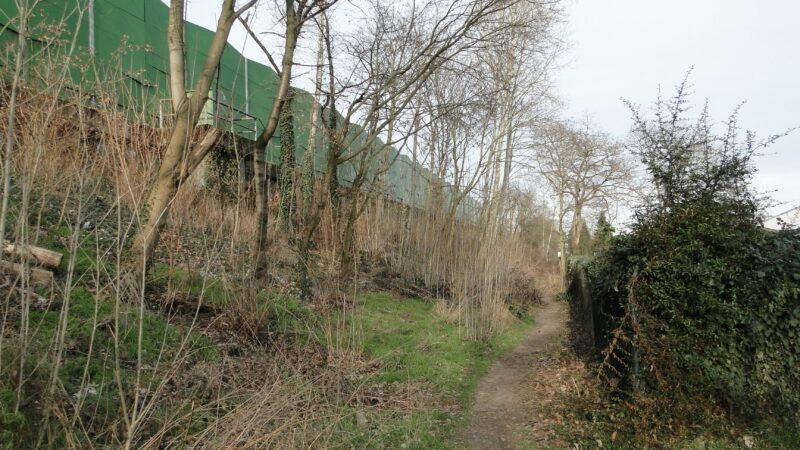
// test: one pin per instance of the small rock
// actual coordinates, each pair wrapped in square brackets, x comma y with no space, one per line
[749,442]
[86,391]
[361,419]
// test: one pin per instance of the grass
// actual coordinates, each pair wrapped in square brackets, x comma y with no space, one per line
[209,289]
[160,338]
[415,347]
[418,347]
[88,363]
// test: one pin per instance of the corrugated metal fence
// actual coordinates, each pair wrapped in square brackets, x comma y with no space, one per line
[132,33]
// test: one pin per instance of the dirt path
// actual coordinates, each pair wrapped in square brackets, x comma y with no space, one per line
[503,404]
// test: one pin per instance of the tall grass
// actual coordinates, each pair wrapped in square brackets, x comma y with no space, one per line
[84,362]
[477,269]
[110,355]
[99,358]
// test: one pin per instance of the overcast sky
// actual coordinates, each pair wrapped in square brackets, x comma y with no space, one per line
[741,50]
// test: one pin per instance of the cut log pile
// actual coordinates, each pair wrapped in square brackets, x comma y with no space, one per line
[42,262]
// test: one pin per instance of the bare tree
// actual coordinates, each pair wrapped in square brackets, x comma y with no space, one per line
[296,14]
[517,67]
[393,58]
[184,153]
[583,168]
[460,139]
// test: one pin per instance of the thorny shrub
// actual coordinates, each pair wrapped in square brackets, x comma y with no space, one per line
[703,302]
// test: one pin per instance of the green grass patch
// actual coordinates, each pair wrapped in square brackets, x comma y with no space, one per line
[88,314]
[210,289]
[88,359]
[417,346]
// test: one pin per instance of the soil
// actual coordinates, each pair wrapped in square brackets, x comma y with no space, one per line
[511,402]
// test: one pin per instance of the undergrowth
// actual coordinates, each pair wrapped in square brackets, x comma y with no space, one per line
[417,348]
[696,309]
[194,349]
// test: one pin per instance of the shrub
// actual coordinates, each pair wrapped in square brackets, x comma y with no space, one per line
[523,295]
[704,303]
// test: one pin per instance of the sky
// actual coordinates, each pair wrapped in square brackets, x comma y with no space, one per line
[740,51]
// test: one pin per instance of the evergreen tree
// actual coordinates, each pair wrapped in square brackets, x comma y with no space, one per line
[603,234]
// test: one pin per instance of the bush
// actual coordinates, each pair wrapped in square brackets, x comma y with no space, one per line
[523,295]
[718,306]
[704,302]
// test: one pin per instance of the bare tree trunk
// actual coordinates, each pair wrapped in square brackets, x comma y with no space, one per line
[313,211]
[507,165]
[575,229]
[22,41]
[334,142]
[414,162]
[311,149]
[177,49]
[494,192]
[562,242]
[180,159]
[508,133]
[259,154]
[171,175]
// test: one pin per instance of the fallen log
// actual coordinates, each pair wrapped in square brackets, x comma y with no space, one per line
[42,256]
[38,276]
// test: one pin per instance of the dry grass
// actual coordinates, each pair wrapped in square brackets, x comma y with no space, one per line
[186,356]
[475,268]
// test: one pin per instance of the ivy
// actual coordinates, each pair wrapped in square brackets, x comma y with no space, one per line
[717,296]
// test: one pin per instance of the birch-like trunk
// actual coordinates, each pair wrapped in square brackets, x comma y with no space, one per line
[311,149]
[562,241]
[22,41]
[180,158]
[575,229]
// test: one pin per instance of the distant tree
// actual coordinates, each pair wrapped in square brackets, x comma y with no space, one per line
[583,168]
[603,234]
